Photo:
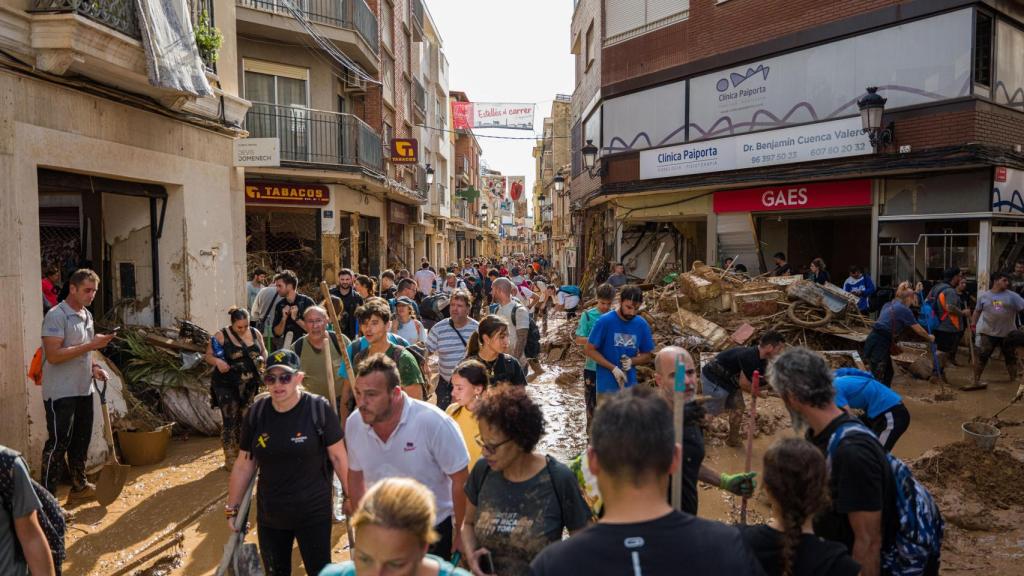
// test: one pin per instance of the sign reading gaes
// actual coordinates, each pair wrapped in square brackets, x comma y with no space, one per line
[260,192]
[795,197]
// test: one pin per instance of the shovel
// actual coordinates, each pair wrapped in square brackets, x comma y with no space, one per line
[755,388]
[113,474]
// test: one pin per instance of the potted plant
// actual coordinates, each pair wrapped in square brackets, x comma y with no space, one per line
[208,39]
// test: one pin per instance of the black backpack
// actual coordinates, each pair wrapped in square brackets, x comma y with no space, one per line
[396,354]
[50,514]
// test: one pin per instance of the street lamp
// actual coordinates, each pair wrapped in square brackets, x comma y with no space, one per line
[872,106]
[483,211]
[589,155]
[430,175]
[559,182]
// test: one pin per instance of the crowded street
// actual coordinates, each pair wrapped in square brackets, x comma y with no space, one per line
[531,288]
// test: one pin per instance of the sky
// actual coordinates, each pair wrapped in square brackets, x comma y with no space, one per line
[508,51]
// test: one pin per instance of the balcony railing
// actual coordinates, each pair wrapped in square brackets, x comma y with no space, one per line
[419,96]
[421,181]
[348,14]
[117,14]
[319,137]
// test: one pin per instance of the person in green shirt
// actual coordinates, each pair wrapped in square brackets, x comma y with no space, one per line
[605,295]
[310,350]
[374,319]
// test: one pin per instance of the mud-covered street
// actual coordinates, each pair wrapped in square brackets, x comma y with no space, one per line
[169,519]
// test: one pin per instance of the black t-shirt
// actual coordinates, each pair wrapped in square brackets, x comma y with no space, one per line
[294,487]
[814,556]
[350,302]
[725,369]
[302,302]
[860,481]
[677,543]
[693,457]
[504,368]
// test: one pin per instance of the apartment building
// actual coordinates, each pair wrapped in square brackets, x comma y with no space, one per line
[464,227]
[107,169]
[727,144]
[553,186]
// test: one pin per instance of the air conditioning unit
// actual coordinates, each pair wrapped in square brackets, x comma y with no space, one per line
[352,83]
[421,215]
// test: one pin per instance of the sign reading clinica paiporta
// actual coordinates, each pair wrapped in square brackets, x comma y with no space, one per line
[294,194]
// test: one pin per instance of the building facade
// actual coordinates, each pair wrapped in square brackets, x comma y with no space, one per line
[466,236]
[744,145]
[107,170]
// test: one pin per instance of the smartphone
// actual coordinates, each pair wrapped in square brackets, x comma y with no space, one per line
[486,563]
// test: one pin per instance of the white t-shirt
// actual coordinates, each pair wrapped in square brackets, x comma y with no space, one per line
[569,301]
[425,280]
[427,445]
[522,323]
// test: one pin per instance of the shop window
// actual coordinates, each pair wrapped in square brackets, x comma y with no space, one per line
[983,48]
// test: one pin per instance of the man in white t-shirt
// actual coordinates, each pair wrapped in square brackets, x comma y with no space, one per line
[393,435]
[502,291]
[568,300]
[425,279]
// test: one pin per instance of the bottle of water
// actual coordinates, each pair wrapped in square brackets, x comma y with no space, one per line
[339,512]
[218,350]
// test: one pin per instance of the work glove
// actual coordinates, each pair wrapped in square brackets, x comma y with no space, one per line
[620,376]
[627,363]
[741,484]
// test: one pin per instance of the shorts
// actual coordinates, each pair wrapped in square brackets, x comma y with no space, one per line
[722,398]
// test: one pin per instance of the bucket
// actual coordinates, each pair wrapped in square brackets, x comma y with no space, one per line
[982,435]
[144,448]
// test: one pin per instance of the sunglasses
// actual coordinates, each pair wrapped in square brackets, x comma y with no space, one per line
[489,448]
[272,379]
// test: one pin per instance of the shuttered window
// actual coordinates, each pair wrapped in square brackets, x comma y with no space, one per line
[625,19]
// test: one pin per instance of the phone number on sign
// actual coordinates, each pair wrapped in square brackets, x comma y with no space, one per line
[840,149]
[769,158]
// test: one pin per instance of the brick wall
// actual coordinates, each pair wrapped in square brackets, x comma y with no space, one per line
[712,29]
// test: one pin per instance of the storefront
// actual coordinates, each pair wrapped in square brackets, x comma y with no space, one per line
[283,228]
[827,220]
[399,244]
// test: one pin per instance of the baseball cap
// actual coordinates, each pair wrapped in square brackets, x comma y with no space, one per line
[407,301]
[284,359]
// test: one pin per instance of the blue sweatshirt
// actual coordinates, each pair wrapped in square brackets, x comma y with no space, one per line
[864,285]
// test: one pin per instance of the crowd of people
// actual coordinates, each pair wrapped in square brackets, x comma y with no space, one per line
[440,472]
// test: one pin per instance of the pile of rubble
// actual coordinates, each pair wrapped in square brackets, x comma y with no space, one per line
[709,309]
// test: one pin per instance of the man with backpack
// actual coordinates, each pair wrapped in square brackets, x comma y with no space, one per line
[568,298]
[870,489]
[24,546]
[374,320]
[310,350]
[945,320]
[524,337]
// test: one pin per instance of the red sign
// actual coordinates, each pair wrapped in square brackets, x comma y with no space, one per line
[405,150]
[1000,173]
[795,197]
[462,115]
[259,192]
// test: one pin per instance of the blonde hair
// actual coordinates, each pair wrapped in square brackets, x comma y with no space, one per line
[399,504]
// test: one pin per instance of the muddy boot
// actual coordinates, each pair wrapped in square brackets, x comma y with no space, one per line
[733,440]
[976,383]
[85,491]
[535,367]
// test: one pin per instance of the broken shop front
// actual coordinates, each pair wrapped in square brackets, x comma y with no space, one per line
[972,219]
[827,220]
[643,223]
[283,228]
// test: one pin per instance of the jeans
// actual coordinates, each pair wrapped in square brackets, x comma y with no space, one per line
[69,429]
[590,394]
[276,548]
[719,396]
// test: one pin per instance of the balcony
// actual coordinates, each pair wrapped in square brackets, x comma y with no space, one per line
[350,24]
[421,181]
[119,15]
[416,16]
[317,138]
[462,169]
[419,99]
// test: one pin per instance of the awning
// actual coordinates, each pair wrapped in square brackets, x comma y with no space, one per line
[663,206]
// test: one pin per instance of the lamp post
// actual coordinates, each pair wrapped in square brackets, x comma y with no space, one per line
[872,107]
[430,175]
[589,155]
[559,182]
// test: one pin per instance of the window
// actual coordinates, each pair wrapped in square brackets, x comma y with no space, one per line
[388,78]
[389,133]
[625,19]
[387,24]
[272,83]
[590,46]
[983,48]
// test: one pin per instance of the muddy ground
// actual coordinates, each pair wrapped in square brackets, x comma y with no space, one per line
[169,520]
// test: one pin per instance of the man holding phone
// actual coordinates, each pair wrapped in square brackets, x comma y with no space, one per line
[69,338]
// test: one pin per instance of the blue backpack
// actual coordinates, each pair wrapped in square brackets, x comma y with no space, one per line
[570,290]
[920,524]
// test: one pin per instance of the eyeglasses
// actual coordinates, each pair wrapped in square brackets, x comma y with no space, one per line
[489,448]
[271,379]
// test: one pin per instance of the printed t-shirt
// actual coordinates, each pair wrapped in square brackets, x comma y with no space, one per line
[613,338]
[998,312]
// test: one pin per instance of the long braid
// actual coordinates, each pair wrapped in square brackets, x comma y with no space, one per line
[796,478]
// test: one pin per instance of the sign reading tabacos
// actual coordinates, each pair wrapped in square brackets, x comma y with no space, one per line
[258,192]
[795,197]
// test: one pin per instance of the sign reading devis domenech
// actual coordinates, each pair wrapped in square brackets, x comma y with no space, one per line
[820,141]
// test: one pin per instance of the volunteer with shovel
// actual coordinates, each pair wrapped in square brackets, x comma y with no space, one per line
[995,316]
[881,344]
[69,338]
[295,440]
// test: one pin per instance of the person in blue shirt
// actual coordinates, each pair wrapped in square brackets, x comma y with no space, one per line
[883,409]
[619,341]
[860,285]
[893,319]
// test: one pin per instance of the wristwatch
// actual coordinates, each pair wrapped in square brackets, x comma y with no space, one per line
[230,511]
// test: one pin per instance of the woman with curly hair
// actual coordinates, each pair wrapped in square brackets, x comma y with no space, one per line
[518,501]
[796,481]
